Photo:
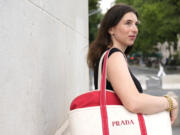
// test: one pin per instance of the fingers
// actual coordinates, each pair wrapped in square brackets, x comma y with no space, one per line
[172,118]
[174,114]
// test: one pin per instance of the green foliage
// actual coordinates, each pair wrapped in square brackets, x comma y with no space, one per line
[160,22]
[94,20]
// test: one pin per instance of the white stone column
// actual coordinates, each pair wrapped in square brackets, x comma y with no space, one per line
[43,47]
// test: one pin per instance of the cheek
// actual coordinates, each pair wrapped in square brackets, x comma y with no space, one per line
[121,32]
[124,30]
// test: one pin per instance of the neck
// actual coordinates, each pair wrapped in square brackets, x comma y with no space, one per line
[120,47]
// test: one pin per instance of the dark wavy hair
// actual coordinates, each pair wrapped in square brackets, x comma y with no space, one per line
[103,39]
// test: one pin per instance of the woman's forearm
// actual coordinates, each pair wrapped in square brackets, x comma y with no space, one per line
[148,104]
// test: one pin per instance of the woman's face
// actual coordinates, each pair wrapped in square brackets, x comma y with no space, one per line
[125,32]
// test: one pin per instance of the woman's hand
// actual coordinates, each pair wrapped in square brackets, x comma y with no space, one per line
[174,112]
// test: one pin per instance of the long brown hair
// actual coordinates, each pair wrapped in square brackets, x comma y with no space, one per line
[103,39]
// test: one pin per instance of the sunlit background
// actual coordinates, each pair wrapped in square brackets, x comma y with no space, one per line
[106,4]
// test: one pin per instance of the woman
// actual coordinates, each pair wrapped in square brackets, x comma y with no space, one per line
[118,31]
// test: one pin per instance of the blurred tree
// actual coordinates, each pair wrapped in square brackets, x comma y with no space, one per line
[160,22]
[94,19]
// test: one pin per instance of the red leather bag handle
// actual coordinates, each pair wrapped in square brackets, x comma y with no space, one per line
[103,108]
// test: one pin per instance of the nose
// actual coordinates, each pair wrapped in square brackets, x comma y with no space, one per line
[135,28]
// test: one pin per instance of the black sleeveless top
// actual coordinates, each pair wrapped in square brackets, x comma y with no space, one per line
[108,84]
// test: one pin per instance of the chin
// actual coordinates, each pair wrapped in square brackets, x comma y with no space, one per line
[131,44]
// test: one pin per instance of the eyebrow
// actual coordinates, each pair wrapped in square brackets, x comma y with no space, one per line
[138,21]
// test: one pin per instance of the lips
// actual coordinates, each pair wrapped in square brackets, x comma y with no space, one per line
[132,37]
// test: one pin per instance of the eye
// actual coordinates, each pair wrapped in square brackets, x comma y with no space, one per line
[128,22]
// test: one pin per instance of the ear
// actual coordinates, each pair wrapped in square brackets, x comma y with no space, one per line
[111,31]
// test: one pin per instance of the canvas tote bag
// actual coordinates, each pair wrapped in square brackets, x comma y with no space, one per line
[100,112]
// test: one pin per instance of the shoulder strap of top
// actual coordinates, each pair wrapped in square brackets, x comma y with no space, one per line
[116,50]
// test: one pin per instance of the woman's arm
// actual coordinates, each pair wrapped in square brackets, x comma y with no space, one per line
[122,83]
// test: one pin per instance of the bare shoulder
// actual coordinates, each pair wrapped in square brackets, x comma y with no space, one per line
[117,58]
[117,65]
